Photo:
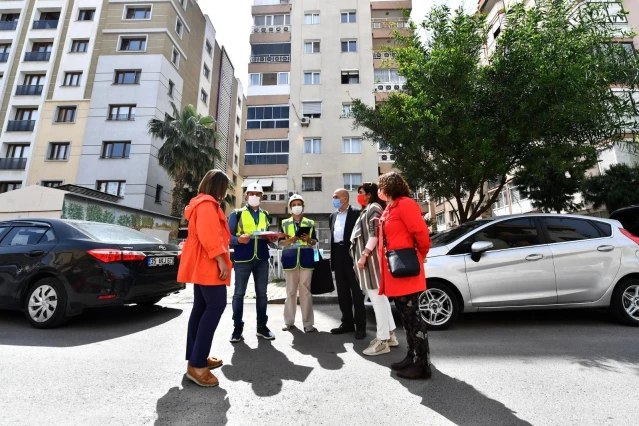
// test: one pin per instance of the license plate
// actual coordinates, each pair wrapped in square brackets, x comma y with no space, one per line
[161,261]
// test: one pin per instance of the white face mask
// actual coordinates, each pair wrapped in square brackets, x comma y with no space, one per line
[254,200]
[297,210]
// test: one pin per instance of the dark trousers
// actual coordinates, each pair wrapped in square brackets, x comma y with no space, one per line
[349,293]
[208,305]
[415,328]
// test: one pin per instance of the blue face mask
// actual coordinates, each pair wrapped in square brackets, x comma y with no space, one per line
[337,203]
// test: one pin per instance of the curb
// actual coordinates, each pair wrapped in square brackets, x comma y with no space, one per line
[317,300]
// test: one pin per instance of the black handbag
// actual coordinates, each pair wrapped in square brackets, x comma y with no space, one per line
[402,263]
[322,280]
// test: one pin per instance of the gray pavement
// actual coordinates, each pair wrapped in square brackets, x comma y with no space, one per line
[124,366]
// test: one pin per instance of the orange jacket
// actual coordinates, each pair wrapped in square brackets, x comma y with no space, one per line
[209,236]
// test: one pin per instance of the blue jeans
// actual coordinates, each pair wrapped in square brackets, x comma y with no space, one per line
[243,271]
[208,305]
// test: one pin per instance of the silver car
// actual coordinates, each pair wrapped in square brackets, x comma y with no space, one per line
[532,261]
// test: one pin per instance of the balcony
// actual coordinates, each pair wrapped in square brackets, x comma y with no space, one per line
[4,57]
[29,90]
[37,56]
[270,59]
[13,163]
[389,87]
[271,2]
[8,25]
[20,125]
[45,25]
[271,29]
[389,23]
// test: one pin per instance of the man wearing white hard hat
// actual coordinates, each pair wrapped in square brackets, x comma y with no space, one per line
[298,261]
[251,255]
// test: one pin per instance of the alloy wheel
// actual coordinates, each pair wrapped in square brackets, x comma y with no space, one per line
[630,301]
[435,306]
[43,303]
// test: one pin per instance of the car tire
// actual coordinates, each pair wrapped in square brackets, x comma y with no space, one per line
[149,302]
[624,304]
[438,306]
[46,304]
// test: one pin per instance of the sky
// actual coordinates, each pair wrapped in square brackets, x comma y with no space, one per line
[232,22]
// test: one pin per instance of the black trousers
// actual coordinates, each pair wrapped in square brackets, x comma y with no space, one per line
[349,294]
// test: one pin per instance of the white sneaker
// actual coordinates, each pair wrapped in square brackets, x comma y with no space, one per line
[286,327]
[310,329]
[392,342]
[379,347]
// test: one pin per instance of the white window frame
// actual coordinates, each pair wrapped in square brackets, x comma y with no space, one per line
[353,187]
[321,184]
[204,95]
[348,14]
[181,23]
[206,72]
[315,78]
[259,78]
[314,18]
[121,192]
[349,141]
[179,55]
[312,149]
[312,102]
[312,45]
[279,78]
[347,110]
[146,42]
[348,42]
[137,6]
[272,16]
[441,222]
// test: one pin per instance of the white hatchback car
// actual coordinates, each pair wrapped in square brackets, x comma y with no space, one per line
[532,261]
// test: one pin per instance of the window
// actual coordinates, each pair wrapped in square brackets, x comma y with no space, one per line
[349,46]
[269,79]
[312,47]
[34,80]
[58,151]
[312,77]
[9,186]
[266,152]
[42,47]
[179,27]
[267,117]
[352,146]
[349,17]
[51,183]
[561,230]
[254,79]
[497,32]
[113,187]
[204,97]
[158,193]
[26,114]
[347,110]
[350,77]
[282,78]
[65,115]
[18,151]
[234,179]
[312,146]
[171,87]
[138,12]
[72,78]
[175,58]
[86,14]
[239,102]
[312,18]
[387,75]
[236,159]
[312,109]
[271,20]
[132,44]
[122,112]
[209,48]
[237,120]
[116,149]
[127,77]
[207,72]
[352,181]
[441,220]
[515,233]
[451,215]
[311,183]
[183,3]
[237,138]
[79,46]
[24,236]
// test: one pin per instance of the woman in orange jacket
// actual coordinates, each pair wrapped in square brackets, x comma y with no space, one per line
[206,263]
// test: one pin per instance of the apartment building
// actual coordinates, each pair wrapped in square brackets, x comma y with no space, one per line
[309,60]
[80,80]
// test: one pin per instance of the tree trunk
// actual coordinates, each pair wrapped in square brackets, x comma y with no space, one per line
[177,205]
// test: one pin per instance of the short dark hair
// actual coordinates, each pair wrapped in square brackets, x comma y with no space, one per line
[371,189]
[214,183]
[394,185]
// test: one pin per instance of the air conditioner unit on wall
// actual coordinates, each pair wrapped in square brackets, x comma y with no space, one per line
[305,121]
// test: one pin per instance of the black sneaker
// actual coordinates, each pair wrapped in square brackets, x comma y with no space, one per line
[265,333]
[237,335]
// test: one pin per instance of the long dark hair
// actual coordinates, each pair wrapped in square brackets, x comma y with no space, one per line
[371,189]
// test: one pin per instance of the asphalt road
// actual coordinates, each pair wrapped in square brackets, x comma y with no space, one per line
[125,366]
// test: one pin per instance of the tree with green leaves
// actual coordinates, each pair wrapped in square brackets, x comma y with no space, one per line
[468,117]
[188,151]
[614,189]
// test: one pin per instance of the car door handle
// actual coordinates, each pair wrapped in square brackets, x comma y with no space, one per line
[605,248]
[534,257]
[34,253]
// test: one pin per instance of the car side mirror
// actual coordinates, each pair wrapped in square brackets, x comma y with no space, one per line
[478,248]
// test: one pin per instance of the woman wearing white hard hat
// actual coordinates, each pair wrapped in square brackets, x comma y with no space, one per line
[298,259]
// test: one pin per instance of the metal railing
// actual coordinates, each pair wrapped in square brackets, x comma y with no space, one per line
[13,163]
[8,25]
[4,57]
[389,23]
[29,90]
[37,56]
[45,25]
[20,125]
[270,59]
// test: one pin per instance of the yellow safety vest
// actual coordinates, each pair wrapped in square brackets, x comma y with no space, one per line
[246,225]
[302,254]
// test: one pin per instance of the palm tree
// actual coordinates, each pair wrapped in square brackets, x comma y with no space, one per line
[187,151]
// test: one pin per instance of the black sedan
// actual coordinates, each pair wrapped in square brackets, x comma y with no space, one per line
[52,269]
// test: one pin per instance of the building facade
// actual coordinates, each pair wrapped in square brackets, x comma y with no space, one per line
[80,80]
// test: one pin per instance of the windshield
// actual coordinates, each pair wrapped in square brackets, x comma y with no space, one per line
[447,237]
[114,234]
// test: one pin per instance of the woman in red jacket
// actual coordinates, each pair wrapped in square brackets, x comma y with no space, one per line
[206,263]
[402,227]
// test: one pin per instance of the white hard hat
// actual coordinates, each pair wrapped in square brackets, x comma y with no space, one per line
[295,197]
[254,187]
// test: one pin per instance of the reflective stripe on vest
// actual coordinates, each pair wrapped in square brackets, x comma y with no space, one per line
[246,225]
[301,255]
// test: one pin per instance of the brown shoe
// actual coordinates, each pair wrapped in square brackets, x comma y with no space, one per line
[213,363]
[205,380]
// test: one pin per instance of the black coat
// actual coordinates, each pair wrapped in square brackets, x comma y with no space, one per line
[351,217]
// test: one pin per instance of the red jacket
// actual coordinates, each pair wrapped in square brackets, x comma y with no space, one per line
[209,237]
[404,227]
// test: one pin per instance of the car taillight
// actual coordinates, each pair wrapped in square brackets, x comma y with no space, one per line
[115,255]
[179,255]
[630,235]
